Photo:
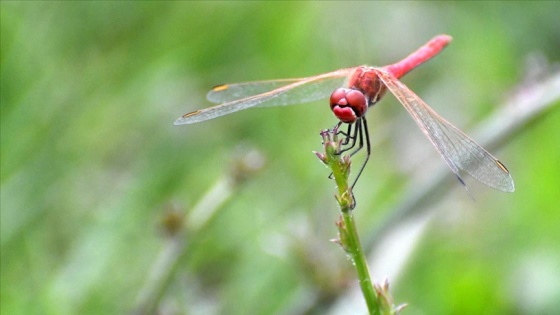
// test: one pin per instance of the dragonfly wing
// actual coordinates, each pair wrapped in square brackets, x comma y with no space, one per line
[295,92]
[230,92]
[310,92]
[458,150]
[306,93]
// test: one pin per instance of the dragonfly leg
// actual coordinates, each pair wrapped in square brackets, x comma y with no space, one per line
[363,133]
[360,140]
[345,134]
[348,136]
[351,137]
[335,128]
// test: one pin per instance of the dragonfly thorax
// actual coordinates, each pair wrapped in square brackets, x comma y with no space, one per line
[366,80]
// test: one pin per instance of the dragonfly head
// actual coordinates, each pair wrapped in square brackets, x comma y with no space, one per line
[348,104]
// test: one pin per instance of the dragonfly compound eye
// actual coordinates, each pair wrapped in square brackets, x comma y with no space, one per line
[348,105]
[357,101]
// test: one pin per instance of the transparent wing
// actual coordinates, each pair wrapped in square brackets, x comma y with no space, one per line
[284,92]
[230,92]
[458,150]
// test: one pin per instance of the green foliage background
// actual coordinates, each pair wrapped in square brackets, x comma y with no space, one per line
[90,160]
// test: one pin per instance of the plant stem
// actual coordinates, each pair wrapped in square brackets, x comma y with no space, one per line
[377,297]
[355,250]
[348,233]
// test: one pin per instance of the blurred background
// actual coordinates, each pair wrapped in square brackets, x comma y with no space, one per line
[107,208]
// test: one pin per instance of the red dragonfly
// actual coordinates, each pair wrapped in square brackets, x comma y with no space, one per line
[355,90]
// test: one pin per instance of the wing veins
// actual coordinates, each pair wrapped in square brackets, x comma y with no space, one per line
[459,152]
[255,100]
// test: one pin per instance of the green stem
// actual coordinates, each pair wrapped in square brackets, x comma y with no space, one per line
[377,297]
[354,248]
[349,239]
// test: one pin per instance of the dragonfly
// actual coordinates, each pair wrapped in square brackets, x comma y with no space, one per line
[352,92]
